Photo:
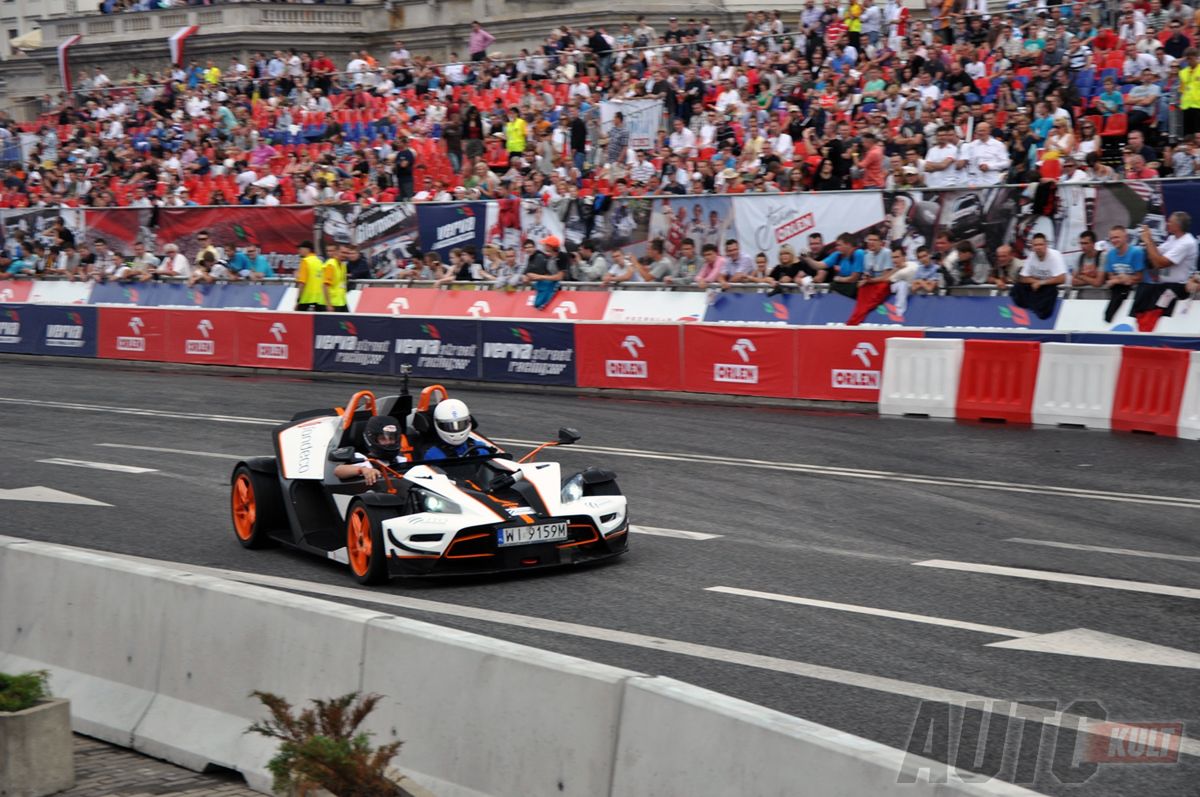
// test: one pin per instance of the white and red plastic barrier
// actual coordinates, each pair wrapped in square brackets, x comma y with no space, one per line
[1098,386]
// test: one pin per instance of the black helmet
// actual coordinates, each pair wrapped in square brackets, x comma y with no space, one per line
[382,436]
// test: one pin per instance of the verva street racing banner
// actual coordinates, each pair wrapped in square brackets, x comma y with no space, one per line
[446,227]
[529,352]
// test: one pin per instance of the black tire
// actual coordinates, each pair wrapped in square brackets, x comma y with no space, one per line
[256,507]
[364,543]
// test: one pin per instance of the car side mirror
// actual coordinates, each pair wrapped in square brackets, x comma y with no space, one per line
[343,454]
[567,436]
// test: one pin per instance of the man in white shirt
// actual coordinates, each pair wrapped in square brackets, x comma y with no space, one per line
[1036,288]
[682,140]
[985,159]
[1172,263]
[781,143]
[942,161]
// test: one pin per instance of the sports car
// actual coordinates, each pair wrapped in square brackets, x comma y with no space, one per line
[483,513]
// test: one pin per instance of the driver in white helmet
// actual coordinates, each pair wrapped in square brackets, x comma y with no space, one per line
[452,422]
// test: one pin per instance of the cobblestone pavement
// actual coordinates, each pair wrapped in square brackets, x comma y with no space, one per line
[104,770]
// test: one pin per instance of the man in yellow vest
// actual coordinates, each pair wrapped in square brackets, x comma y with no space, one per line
[1189,91]
[308,280]
[333,277]
[515,132]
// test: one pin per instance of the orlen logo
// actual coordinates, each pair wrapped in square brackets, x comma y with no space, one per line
[395,306]
[479,308]
[204,347]
[786,230]
[7,295]
[740,373]
[10,327]
[133,341]
[633,368]
[66,336]
[277,350]
[866,378]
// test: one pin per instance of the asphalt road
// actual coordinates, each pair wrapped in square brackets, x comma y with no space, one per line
[779,488]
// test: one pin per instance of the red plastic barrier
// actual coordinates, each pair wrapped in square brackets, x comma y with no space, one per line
[275,340]
[630,356]
[208,337]
[1150,390]
[755,361]
[998,380]
[17,291]
[132,333]
[843,364]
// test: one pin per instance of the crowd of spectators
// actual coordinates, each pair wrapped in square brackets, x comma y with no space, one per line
[839,96]
[124,6]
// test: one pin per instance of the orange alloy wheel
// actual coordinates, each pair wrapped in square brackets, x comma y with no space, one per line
[245,509]
[358,541]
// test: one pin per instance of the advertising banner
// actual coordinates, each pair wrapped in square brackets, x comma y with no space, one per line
[437,348]
[65,331]
[207,337]
[15,291]
[119,228]
[60,292]
[355,345]
[385,234]
[759,308]
[531,353]
[132,333]
[765,222]
[470,303]
[272,229]
[633,357]
[446,227]
[247,296]
[739,360]
[565,306]
[119,293]
[642,117]
[842,364]
[973,311]
[275,340]
[379,300]
[703,219]
[648,307]
[18,328]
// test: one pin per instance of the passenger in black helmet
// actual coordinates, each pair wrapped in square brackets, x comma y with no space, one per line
[383,441]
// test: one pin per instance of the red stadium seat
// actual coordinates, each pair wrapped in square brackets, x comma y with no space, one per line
[1116,125]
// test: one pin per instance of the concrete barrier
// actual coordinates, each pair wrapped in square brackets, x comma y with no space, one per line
[164,661]
[676,738]
[502,718]
[920,377]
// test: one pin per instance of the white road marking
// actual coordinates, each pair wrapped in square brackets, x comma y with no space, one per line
[1099,645]
[790,467]
[1177,557]
[677,534]
[47,495]
[1190,747]
[1065,578]
[855,609]
[213,454]
[1075,642]
[85,463]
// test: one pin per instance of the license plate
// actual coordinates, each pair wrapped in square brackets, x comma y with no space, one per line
[528,535]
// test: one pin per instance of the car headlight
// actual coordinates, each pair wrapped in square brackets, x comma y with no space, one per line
[573,489]
[432,502]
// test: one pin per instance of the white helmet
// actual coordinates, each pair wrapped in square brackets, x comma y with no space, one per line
[452,420]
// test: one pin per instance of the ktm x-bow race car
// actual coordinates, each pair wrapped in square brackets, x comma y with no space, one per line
[483,513]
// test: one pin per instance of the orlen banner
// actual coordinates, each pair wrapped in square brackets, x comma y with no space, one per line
[15,291]
[629,356]
[275,340]
[138,333]
[843,364]
[352,344]
[530,352]
[207,337]
[438,348]
[739,360]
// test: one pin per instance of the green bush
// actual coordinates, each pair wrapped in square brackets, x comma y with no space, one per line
[19,692]
[322,746]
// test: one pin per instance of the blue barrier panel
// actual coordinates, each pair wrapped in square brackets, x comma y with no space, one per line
[248,296]
[66,331]
[974,311]
[755,308]
[355,345]
[833,308]
[533,353]
[1119,339]
[119,293]
[18,328]
[441,348]
[974,334]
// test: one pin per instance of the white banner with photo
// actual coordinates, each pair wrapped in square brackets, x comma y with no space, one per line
[765,222]
[642,117]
